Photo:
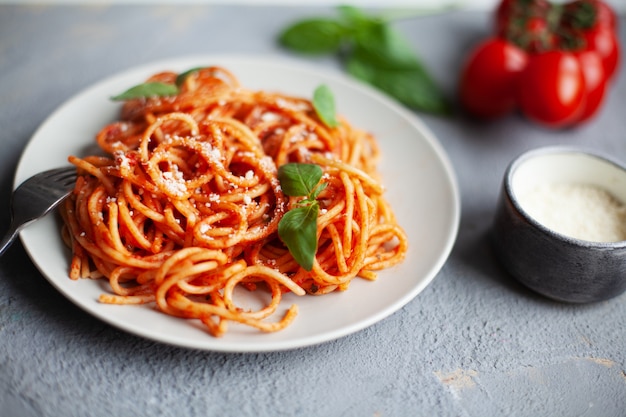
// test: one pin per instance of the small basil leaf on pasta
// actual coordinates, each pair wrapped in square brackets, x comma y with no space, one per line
[324,104]
[298,227]
[298,179]
[180,79]
[147,90]
[298,231]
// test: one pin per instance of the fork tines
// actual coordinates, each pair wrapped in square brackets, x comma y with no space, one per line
[65,175]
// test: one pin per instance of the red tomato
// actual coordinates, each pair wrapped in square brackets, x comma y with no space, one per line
[595,82]
[586,14]
[603,40]
[502,16]
[537,36]
[551,90]
[605,16]
[489,77]
[525,23]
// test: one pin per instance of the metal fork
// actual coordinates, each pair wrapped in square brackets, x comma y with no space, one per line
[35,198]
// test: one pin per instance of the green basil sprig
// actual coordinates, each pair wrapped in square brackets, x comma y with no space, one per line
[298,227]
[373,52]
[155,89]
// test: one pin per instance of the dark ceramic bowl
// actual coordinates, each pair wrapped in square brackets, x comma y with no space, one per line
[552,263]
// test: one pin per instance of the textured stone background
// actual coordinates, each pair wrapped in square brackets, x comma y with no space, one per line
[474,343]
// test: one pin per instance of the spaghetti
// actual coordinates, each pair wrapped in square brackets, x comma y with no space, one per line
[184,208]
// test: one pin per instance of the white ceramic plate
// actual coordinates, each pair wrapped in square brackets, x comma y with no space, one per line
[420,180]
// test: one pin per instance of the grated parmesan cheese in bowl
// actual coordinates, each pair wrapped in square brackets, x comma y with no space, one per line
[581,211]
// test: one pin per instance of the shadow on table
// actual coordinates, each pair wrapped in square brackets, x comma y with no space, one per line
[6,188]
[475,249]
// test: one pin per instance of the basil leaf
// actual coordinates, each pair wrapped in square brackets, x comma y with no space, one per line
[355,19]
[180,79]
[352,14]
[298,231]
[324,104]
[147,90]
[381,46]
[298,179]
[411,86]
[313,36]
